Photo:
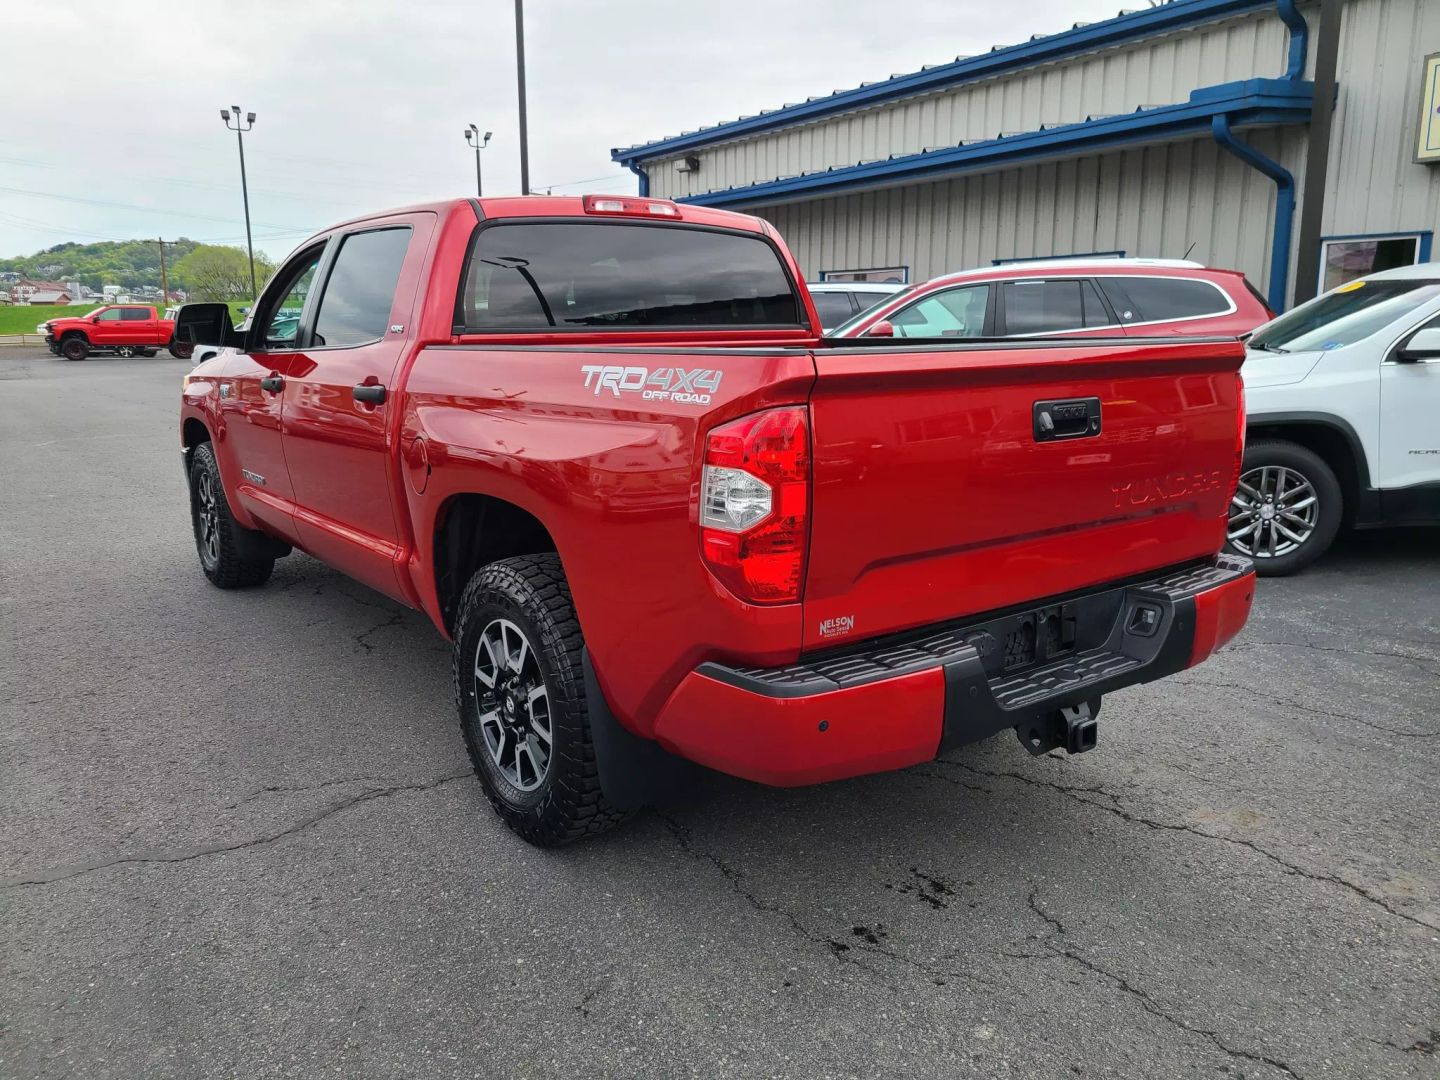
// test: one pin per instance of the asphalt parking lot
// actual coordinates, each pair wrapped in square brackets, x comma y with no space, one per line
[240,838]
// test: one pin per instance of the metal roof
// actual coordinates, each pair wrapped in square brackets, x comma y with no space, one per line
[1080,38]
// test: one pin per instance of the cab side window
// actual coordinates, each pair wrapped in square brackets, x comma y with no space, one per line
[110,315]
[282,322]
[355,307]
[134,314]
[954,313]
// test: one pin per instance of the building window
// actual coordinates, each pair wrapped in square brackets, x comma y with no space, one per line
[885,275]
[1046,258]
[1345,258]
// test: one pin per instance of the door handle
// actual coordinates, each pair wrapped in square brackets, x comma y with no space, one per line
[273,383]
[369,393]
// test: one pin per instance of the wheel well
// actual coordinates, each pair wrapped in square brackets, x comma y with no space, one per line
[193,433]
[475,530]
[1333,447]
[68,334]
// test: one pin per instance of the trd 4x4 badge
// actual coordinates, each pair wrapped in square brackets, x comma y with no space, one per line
[684,386]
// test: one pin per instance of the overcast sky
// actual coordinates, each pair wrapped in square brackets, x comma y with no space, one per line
[361,103]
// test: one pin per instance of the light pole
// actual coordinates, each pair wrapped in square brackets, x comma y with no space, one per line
[520,86]
[240,129]
[479,142]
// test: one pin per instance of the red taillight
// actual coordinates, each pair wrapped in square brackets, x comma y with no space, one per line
[630,207]
[755,504]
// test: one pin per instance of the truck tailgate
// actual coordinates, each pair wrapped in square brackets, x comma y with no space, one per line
[952,480]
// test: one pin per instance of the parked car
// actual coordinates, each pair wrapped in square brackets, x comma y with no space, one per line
[120,329]
[1343,397]
[839,301]
[601,443]
[1096,297]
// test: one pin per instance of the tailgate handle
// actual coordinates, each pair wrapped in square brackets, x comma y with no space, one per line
[1070,418]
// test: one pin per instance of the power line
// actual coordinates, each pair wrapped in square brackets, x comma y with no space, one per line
[132,206]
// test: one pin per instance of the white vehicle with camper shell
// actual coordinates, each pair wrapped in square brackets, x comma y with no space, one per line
[1342,398]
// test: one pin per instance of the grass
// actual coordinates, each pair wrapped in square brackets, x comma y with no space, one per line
[23,319]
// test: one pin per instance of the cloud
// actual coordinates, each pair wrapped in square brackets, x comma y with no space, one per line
[361,104]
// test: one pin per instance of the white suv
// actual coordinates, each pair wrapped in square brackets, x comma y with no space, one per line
[1342,398]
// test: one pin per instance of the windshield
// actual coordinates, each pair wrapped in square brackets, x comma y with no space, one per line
[1349,314]
[848,323]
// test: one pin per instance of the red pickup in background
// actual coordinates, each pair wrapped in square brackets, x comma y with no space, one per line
[118,329]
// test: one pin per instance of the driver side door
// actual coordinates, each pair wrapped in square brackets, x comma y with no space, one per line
[961,312]
[252,395]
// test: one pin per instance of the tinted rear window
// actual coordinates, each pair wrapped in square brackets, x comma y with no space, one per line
[832,307]
[134,314]
[593,275]
[1160,299]
[1047,307]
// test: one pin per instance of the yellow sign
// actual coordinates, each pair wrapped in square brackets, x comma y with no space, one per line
[1427,150]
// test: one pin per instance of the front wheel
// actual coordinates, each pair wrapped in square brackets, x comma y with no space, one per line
[520,692]
[215,529]
[1287,508]
[126,351]
[75,348]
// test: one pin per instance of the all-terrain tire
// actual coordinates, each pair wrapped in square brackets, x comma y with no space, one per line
[181,350]
[1329,507]
[530,592]
[214,527]
[75,347]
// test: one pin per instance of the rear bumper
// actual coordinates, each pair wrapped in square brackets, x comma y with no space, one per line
[903,699]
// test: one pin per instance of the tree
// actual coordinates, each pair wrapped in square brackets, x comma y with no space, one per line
[212,272]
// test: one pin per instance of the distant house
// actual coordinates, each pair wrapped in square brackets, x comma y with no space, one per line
[52,296]
[24,289]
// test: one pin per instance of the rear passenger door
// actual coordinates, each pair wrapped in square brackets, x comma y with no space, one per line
[338,414]
[1044,306]
[136,326]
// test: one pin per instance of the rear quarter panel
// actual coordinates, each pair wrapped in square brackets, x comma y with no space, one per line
[613,477]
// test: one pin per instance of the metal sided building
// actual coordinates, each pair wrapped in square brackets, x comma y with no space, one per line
[1191,128]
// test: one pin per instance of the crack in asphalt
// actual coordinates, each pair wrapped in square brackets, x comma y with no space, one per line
[394,620]
[74,870]
[1289,704]
[1336,649]
[1147,1002]
[838,949]
[273,788]
[1167,826]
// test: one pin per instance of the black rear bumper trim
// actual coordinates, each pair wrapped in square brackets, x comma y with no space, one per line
[1115,637]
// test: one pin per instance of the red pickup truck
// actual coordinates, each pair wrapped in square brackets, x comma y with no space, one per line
[122,329]
[602,444]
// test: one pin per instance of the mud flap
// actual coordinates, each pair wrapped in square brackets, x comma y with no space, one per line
[634,772]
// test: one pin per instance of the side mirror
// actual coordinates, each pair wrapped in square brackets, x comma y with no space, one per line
[883,328]
[1424,344]
[207,324]
[96,319]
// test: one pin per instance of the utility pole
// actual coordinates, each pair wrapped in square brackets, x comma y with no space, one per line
[520,81]
[479,142]
[164,281]
[240,128]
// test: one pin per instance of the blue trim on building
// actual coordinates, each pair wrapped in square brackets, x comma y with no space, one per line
[1284,205]
[1299,37]
[644,190]
[1250,103]
[1148,22]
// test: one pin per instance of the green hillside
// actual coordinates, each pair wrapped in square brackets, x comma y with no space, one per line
[128,263]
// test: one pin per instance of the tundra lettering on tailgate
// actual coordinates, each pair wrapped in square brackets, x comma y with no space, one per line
[1177,485]
[680,385]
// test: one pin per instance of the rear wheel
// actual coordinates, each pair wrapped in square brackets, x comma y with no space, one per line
[220,556]
[1287,508]
[181,350]
[520,692]
[75,347]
